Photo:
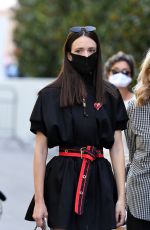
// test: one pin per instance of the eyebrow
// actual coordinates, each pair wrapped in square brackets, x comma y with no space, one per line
[116,68]
[92,47]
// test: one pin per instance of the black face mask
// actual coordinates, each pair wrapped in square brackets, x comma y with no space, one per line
[84,65]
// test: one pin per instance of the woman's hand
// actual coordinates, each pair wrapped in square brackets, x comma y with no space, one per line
[120,213]
[39,213]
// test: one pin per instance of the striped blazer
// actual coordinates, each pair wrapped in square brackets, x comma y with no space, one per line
[138,179]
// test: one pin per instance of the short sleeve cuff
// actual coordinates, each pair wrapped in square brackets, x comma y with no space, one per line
[37,126]
[121,125]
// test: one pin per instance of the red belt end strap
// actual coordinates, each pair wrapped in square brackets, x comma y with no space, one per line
[87,157]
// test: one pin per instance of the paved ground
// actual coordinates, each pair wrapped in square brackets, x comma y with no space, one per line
[16,182]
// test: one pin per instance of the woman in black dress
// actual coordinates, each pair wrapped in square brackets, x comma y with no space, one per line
[80,113]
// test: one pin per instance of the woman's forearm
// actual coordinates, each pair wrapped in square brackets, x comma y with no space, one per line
[118,164]
[40,155]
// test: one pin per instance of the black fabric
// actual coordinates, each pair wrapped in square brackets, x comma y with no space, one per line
[60,188]
[69,127]
[84,65]
[136,224]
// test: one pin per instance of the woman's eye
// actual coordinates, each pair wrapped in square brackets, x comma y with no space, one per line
[92,50]
[78,51]
[114,71]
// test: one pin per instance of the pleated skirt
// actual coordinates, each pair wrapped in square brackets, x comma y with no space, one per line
[60,186]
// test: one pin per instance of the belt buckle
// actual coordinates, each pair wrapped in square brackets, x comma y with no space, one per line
[81,151]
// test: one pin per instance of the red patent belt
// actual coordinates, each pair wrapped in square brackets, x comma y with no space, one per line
[87,154]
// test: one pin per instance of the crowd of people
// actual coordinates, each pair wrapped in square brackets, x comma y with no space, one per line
[119,70]
[84,111]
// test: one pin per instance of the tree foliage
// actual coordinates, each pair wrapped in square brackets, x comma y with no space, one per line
[42,27]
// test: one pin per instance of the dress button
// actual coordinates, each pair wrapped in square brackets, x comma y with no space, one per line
[84,176]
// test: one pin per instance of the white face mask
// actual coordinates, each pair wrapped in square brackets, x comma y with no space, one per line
[120,80]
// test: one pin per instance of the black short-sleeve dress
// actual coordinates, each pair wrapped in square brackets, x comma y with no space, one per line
[70,128]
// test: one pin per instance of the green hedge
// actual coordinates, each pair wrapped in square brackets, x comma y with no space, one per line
[42,27]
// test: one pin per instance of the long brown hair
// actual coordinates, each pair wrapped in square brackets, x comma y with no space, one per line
[73,89]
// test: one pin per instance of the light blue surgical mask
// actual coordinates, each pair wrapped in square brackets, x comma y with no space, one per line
[120,80]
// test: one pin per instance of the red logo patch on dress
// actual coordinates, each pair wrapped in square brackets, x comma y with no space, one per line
[97,105]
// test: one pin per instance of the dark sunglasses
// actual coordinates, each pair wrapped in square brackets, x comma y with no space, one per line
[77,29]
[124,71]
